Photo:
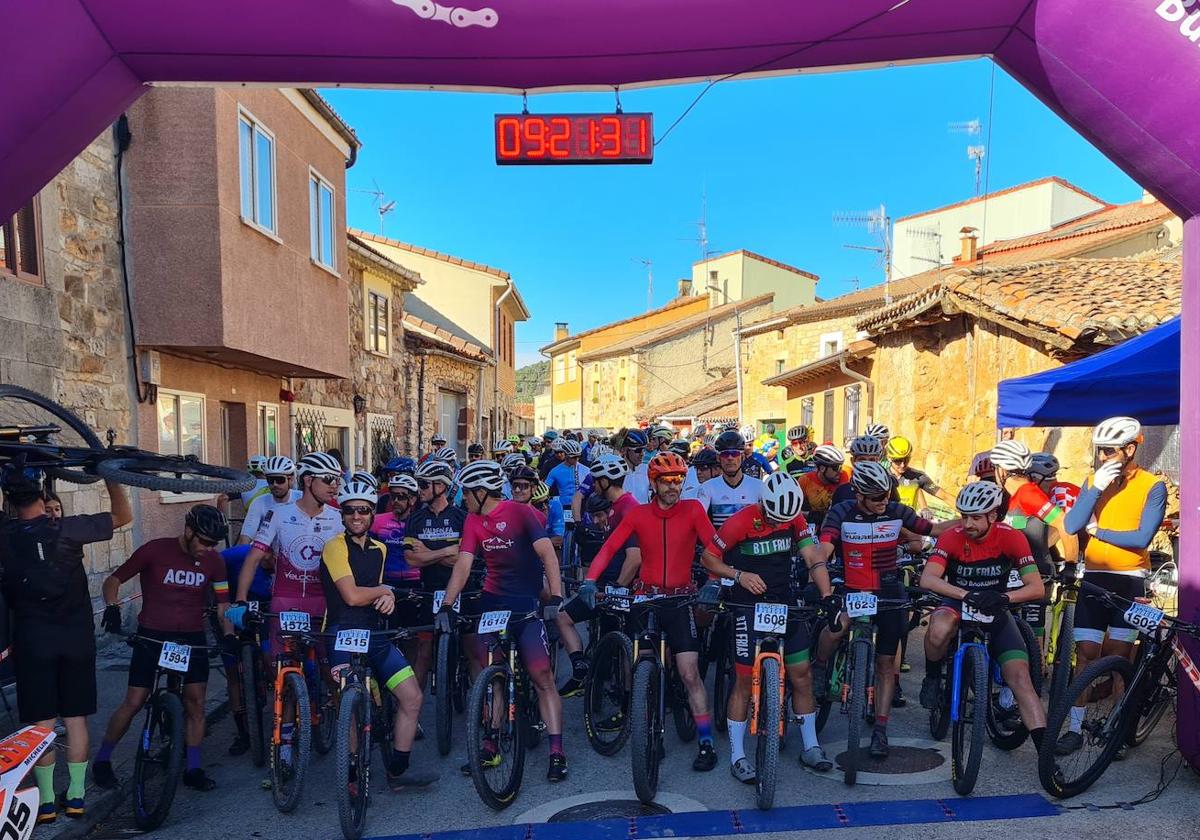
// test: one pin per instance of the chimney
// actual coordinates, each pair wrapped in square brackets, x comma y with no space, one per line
[685,287]
[970,245]
[560,330]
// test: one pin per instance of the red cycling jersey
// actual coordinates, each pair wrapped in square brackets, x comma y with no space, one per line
[667,539]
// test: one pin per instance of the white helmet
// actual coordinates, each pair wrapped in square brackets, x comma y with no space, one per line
[446,453]
[502,447]
[318,463]
[979,497]
[828,455]
[878,430]
[279,465]
[599,450]
[571,449]
[357,491]
[1012,455]
[256,463]
[866,445]
[534,441]
[403,481]
[610,466]
[870,479]
[364,476]
[1117,431]
[512,461]
[747,433]
[781,498]
[438,471]
[482,475]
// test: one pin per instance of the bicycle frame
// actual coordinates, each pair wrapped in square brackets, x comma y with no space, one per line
[288,662]
[773,652]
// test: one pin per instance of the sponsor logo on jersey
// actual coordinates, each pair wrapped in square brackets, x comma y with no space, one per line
[184,577]
[871,532]
[497,544]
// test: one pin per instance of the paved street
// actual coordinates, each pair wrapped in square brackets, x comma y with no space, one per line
[240,808]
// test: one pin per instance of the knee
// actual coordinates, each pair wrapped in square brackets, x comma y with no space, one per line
[885,665]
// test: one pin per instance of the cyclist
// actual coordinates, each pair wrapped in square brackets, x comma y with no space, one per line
[254,466]
[796,456]
[971,564]
[667,531]
[734,488]
[705,465]
[1120,508]
[435,443]
[511,462]
[502,449]
[517,554]
[366,478]
[761,540]
[981,468]
[819,485]
[1043,470]
[637,481]
[176,576]
[911,483]
[550,454]
[880,432]
[1031,511]
[524,482]
[475,453]
[566,477]
[352,571]
[278,472]
[864,449]
[390,529]
[535,451]
[866,533]
[395,466]
[753,464]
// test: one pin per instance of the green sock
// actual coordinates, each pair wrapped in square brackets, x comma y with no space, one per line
[78,771]
[44,773]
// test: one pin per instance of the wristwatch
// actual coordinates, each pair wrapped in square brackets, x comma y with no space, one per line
[737,576]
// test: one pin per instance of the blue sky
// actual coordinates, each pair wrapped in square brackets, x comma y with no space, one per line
[776,159]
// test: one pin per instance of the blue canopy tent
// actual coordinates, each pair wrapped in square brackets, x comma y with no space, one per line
[1138,377]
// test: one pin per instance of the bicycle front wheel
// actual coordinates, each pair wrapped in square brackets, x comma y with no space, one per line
[23,413]
[968,732]
[495,739]
[325,715]
[1158,694]
[1064,654]
[770,724]
[159,761]
[174,475]
[353,760]
[861,653]
[289,759]
[443,680]
[253,699]
[645,729]
[606,693]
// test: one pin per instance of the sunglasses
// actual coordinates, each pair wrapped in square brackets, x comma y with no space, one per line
[637,450]
[277,479]
[876,499]
[331,480]
[424,485]
[730,453]
[521,486]
[404,497]
[670,479]
[1108,451]
[356,510]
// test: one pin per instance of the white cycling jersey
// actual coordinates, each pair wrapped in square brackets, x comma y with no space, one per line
[259,507]
[297,540]
[722,501]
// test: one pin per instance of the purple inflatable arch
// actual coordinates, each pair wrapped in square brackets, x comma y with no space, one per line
[1125,74]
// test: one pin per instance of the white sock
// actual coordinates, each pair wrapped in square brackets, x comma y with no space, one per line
[1007,700]
[737,739]
[808,729]
[1078,713]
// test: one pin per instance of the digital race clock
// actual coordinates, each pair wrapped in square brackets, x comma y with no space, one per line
[574,138]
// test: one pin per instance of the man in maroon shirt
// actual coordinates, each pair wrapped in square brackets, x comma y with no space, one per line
[176,574]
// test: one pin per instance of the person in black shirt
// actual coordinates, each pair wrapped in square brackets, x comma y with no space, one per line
[54,643]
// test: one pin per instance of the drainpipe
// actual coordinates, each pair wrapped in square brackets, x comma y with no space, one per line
[420,403]
[853,374]
[496,350]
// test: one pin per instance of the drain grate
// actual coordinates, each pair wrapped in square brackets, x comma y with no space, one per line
[900,761]
[607,809]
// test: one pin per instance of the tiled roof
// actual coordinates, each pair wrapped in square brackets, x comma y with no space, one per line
[847,304]
[1062,302]
[679,327]
[406,277]
[702,403]
[673,304]
[446,340]
[760,258]
[1069,238]
[1017,188]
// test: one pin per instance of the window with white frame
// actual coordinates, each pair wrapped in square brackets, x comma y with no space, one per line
[377,322]
[571,366]
[180,424]
[831,343]
[320,219]
[806,411]
[779,363]
[256,148]
[560,370]
[853,405]
[268,430]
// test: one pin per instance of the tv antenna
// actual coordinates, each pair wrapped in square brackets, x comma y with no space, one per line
[931,237]
[649,280]
[382,205]
[878,223]
[975,151]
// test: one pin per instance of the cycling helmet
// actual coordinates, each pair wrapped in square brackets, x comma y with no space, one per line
[27,481]
[635,438]
[870,479]
[207,522]
[514,439]
[981,465]
[747,432]
[475,449]
[866,446]
[828,455]
[541,493]
[729,427]
[357,491]
[482,475]
[800,432]
[878,430]
[730,440]
[437,471]
[403,481]
[680,447]
[401,465]
[1042,466]
[979,497]
[611,467]
[533,441]
[523,473]
[364,476]
[781,498]
[706,457]
[597,503]
[279,465]
[549,434]
[256,463]
[1117,431]
[1011,455]
[666,464]
[661,433]
[437,440]
[446,453]
[512,461]
[318,463]
[899,449]
[502,447]
[599,450]
[571,449]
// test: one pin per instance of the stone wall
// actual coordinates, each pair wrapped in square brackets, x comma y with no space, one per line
[610,392]
[425,374]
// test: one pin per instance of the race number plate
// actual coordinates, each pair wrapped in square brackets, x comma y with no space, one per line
[439,598]
[969,613]
[494,622]
[1014,579]
[175,657]
[568,515]
[770,618]
[1143,618]
[295,622]
[252,607]
[619,596]
[859,604]
[352,641]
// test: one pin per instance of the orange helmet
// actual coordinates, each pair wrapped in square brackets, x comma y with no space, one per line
[666,464]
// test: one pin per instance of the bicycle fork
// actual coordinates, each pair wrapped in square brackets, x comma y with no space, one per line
[756,685]
[956,679]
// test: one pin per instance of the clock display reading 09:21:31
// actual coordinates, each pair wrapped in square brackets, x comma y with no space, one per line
[574,138]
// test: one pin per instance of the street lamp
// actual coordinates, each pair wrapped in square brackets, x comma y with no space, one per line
[737,344]
[360,404]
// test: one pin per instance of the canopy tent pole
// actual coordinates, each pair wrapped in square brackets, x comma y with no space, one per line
[1188,712]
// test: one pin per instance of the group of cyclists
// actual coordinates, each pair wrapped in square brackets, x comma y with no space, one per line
[547,527]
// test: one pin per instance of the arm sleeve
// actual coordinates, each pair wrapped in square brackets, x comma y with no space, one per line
[1152,517]
[134,565]
[264,538]
[915,523]
[831,526]
[802,531]
[1079,516]
[615,542]
[927,484]
[254,516]
[730,534]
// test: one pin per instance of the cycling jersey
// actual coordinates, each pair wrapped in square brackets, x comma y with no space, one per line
[234,557]
[390,531]
[637,484]
[1031,502]
[867,542]
[845,493]
[565,479]
[756,466]
[260,506]
[435,531]
[1064,494]
[248,497]
[296,539]
[504,540]
[986,563]
[722,501]
[818,494]
[752,543]
[556,518]
[667,539]
[342,557]
[1127,513]
[174,586]
[911,482]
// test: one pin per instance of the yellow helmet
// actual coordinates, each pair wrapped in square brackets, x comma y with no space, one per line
[899,449]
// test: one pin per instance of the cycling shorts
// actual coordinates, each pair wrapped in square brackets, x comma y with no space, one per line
[678,625]
[891,625]
[530,634]
[1093,617]
[143,664]
[1005,642]
[796,640]
[387,662]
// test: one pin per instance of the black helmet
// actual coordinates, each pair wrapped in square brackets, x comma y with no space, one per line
[21,481]
[523,473]
[475,449]
[207,522]
[680,448]
[730,440]
[596,503]
[706,457]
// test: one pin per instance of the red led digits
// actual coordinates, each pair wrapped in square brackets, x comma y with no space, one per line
[508,138]
[573,138]
[560,138]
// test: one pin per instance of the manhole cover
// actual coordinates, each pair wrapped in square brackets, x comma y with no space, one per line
[901,760]
[607,809]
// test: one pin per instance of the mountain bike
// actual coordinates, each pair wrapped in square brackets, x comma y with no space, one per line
[656,689]
[1124,700]
[451,679]
[1060,627]
[252,677]
[38,433]
[609,681]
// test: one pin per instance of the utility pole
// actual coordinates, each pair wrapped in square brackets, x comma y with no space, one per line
[878,222]
[649,281]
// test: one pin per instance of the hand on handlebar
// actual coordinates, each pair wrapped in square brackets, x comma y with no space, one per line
[587,594]
[236,615]
[988,601]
